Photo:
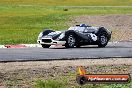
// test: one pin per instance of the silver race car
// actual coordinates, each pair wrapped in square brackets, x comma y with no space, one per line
[75,36]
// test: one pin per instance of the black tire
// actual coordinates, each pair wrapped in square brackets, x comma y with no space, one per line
[102,40]
[70,40]
[45,46]
[81,80]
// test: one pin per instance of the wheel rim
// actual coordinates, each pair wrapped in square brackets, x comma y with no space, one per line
[71,41]
[103,39]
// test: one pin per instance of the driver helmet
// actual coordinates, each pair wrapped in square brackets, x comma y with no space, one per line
[83,25]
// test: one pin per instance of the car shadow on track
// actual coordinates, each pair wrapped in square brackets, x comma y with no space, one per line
[95,47]
[106,47]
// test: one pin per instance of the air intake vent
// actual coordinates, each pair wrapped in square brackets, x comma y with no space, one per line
[47,40]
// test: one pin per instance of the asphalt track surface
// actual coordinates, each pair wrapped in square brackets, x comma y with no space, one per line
[120,49]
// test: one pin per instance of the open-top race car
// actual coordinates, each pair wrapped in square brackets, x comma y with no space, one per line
[75,36]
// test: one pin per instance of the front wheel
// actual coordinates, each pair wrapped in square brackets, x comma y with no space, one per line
[103,40]
[45,46]
[70,41]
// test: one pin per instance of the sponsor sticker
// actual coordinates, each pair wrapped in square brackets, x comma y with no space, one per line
[84,78]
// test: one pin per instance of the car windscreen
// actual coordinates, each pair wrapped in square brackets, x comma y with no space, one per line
[80,29]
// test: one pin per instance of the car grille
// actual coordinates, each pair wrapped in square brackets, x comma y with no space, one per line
[47,40]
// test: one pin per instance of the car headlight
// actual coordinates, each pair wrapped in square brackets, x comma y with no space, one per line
[40,35]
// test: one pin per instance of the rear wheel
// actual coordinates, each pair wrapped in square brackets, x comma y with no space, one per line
[70,41]
[45,46]
[103,40]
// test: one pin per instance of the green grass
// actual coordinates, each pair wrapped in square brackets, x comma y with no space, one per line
[51,84]
[71,84]
[22,20]
[71,2]
[22,24]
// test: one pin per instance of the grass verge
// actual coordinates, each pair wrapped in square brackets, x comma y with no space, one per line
[51,84]
[71,2]
[66,84]
[22,23]
[57,76]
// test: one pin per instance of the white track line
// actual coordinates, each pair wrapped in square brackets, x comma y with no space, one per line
[2,46]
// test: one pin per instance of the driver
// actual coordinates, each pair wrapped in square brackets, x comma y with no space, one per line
[83,25]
